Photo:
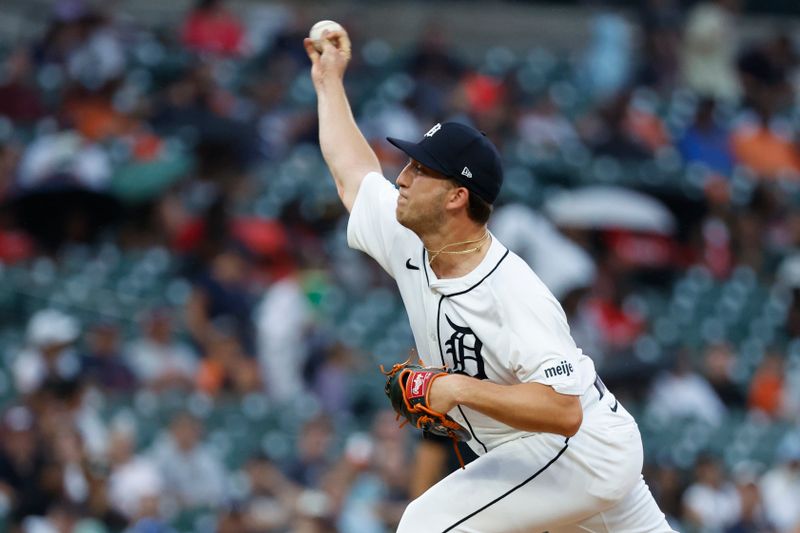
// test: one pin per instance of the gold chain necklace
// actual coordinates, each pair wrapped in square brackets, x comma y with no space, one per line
[443,250]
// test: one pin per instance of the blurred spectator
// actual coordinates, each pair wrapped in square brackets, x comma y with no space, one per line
[158,359]
[94,115]
[99,56]
[767,151]
[752,517]
[712,502]
[544,126]
[661,26]
[222,291]
[667,486]
[313,448]
[709,51]
[706,141]
[642,122]
[608,61]
[26,481]
[378,494]
[49,355]
[780,486]
[329,372]
[197,107]
[719,362]
[283,322]
[270,498]
[608,132]
[193,475]
[226,368]
[73,467]
[211,27]
[435,69]
[135,482]
[765,71]
[766,393]
[72,403]
[104,364]
[19,98]
[683,393]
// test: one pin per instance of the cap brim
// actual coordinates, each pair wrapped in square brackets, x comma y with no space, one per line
[418,153]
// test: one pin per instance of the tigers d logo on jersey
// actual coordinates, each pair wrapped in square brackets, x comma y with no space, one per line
[465,350]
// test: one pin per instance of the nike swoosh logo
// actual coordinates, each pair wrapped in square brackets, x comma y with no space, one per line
[616,404]
[410,266]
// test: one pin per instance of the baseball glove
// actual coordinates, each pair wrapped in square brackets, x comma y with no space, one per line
[407,387]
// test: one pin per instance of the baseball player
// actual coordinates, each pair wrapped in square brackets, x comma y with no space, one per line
[557,452]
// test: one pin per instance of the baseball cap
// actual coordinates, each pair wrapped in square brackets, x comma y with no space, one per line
[459,152]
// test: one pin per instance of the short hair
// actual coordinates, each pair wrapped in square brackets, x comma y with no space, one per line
[478,209]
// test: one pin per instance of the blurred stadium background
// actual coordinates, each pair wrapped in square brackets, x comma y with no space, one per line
[187,344]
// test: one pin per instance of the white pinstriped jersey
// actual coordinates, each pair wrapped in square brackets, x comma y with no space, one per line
[499,322]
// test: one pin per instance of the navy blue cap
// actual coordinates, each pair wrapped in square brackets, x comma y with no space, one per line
[459,152]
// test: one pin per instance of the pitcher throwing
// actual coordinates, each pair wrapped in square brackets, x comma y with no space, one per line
[557,452]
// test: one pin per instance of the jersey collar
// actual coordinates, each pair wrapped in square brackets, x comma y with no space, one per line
[454,286]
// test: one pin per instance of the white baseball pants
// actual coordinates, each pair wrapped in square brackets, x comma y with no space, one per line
[590,482]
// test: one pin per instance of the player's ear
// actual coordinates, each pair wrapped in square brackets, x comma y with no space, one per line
[458,198]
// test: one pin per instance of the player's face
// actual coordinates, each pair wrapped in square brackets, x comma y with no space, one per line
[423,191]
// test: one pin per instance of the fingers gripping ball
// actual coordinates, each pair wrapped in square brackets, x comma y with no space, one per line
[408,387]
[319,28]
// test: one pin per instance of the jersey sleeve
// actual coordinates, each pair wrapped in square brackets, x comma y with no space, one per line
[543,350]
[373,227]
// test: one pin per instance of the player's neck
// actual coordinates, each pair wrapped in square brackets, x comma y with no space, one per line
[455,252]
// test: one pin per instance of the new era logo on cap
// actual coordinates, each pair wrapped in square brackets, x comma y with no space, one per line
[433,130]
[461,153]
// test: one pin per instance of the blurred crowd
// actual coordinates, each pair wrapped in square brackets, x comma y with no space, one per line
[652,181]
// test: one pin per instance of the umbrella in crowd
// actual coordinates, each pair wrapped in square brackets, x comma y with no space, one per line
[610,207]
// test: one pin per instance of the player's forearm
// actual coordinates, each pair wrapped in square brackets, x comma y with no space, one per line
[527,406]
[347,153]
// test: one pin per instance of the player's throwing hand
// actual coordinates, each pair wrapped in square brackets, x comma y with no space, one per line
[333,60]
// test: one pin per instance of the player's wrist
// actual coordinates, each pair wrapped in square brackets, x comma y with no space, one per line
[451,389]
[457,388]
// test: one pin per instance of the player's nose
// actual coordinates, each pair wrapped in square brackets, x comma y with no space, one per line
[403,179]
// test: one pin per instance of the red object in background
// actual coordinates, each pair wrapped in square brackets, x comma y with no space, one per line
[261,236]
[484,93]
[642,250]
[620,329]
[266,239]
[213,30]
[147,147]
[15,246]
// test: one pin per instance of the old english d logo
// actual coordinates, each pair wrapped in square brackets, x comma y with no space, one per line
[465,350]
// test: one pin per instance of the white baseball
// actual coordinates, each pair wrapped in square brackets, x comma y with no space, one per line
[316,31]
